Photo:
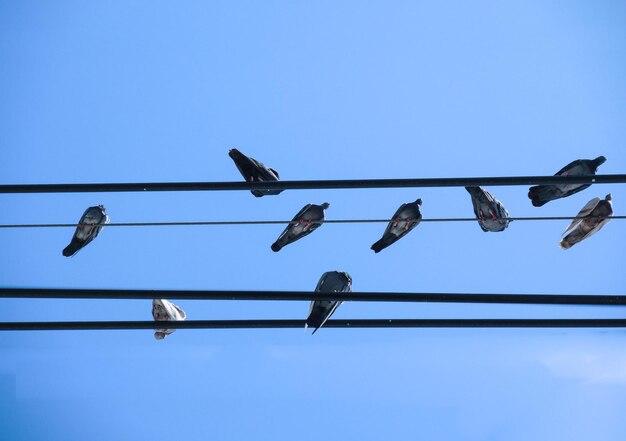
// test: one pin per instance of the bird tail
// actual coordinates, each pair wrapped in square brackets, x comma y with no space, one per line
[540,195]
[72,248]
[564,244]
[276,247]
[378,246]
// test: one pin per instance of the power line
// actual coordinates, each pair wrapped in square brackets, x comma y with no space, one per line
[282,324]
[283,222]
[532,299]
[311,184]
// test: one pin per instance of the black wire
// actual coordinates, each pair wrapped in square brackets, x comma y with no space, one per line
[312,184]
[532,299]
[275,324]
[274,222]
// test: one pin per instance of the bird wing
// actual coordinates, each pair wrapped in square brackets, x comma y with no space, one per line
[301,212]
[332,310]
[586,210]
[294,228]
[595,229]
[568,168]
[391,225]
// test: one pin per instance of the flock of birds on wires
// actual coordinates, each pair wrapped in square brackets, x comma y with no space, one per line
[490,213]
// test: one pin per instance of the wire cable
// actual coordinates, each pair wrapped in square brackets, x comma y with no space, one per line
[312,184]
[531,299]
[284,222]
[282,324]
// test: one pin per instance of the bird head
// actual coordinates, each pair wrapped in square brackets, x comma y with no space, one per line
[599,161]
[159,335]
[325,205]
[418,202]
[609,197]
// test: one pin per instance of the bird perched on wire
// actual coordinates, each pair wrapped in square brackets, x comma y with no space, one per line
[404,220]
[305,222]
[491,214]
[164,310]
[321,310]
[594,216]
[89,225]
[254,171]
[541,194]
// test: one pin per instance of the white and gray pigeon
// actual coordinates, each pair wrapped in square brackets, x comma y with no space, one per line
[490,213]
[542,194]
[321,310]
[404,220]
[305,222]
[254,171]
[164,310]
[90,224]
[595,216]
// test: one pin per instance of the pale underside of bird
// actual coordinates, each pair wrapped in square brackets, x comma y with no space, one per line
[89,226]
[404,220]
[305,222]
[490,213]
[594,215]
[541,194]
[254,171]
[321,310]
[164,310]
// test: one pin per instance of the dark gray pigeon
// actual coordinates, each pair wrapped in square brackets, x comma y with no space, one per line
[404,220]
[491,214]
[541,194]
[90,224]
[308,219]
[254,171]
[321,310]
[596,215]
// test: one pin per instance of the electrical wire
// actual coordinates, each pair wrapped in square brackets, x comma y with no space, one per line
[312,184]
[283,222]
[276,324]
[533,299]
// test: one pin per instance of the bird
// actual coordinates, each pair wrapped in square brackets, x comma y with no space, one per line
[90,224]
[164,310]
[254,171]
[321,310]
[305,222]
[491,214]
[541,194]
[594,216]
[404,220]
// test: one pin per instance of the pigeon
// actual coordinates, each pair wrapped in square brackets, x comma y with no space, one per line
[254,171]
[90,224]
[164,310]
[541,194]
[321,310]
[596,215]
[404,220]
[308,219]
[491,214]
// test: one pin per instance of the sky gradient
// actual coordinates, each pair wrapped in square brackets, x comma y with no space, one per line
[160,91]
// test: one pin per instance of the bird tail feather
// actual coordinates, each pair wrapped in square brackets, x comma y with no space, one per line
[380,245]
[72,248]
[540,195]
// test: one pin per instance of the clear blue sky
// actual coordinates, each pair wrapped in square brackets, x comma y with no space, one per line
[160,91]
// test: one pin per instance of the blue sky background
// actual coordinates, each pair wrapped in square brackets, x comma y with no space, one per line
[160,91]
